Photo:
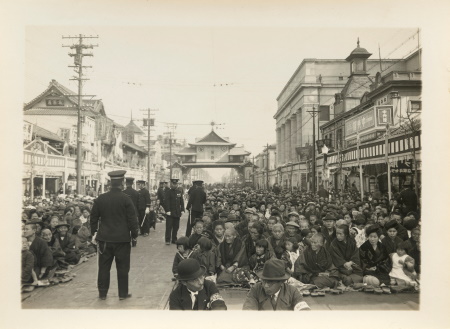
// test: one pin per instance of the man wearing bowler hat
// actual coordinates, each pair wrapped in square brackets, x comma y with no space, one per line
[193,292]
[174,206]
[143,208]
[273,293]
[113,222]
[197,198]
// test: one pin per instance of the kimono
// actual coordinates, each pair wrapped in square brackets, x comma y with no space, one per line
[273,243]
[177,259]
[68,245]
[207,259]
[413,250]
[230,254]
[342,252]
[249,244]
[316,267]
[42,253]
[27,266]
[391,244]
[328,238]
[256,262]
[378,258]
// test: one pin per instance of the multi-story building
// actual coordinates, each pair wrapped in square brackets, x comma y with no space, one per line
[309,99]
[266,163]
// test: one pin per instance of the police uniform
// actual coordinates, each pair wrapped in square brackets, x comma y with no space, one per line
[173,203]
[143,204]
[160,193]
[197,198]
[113,218]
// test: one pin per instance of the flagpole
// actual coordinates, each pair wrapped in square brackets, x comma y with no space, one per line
[361,183]
[386,147]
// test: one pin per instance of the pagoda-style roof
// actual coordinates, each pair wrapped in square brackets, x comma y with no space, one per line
[132,127]
[187,151]
[134,147]
[238,151]
[212,139]
[358,52]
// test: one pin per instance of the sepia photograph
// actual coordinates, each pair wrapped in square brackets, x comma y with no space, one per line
[227,167]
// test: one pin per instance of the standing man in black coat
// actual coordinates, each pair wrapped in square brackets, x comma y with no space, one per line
[174,206]
[134,196]
[143,208]
[161,191]
[197,198]
[408,199]
[113,225]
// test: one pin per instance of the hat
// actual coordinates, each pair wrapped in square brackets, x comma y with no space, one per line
[231,218]
[197,182]
[140,181]
[223,214]
[249,211]
[292,223]
[62,223]
[293,213]
[329,216]
[190,269]
[274,270]
[33,221]
[174,180]
[129,179]
[117,174]
[391,224]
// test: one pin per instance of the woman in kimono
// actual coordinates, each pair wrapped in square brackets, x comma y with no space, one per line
[374,258]
[231,252]
[345,256]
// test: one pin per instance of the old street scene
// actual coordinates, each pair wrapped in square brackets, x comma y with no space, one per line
[191,169]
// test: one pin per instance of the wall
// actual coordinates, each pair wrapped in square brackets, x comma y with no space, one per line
[220,153]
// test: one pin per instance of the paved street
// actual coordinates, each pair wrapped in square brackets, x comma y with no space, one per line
[150,284]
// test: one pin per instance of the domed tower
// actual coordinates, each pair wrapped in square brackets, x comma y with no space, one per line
[358,60]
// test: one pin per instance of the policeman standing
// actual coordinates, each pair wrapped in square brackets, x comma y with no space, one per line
[134,196]
[197,198]
[143,208]
[174,206]
[113,222]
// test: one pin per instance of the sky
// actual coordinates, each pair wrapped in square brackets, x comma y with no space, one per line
[196,75]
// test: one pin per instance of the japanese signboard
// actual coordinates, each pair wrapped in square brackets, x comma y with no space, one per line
[360,122]
[384,115]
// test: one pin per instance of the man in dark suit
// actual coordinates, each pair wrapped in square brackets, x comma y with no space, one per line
[161,191]
[193,292]
[143,208]
[113,225]
[408,199]
[174,206]
[134,196]
[197,198]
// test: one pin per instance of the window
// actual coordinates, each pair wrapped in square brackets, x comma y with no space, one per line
[415,106]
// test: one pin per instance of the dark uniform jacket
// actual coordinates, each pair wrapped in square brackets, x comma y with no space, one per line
[289,299]
[117,216]
[173,202]
[160,194]
[133,194]
[208,298]
[197,198]
[409,199]
[144,199]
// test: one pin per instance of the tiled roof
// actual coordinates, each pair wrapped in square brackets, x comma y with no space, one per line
[238,151]
[212,137]
[72,111]
[132,127]
[44,133]
[135,147]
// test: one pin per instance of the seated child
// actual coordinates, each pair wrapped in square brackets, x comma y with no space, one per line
[183,252]
[315,265]
[28,274]
[198,230]
[258,259]
[291,252]
[397,274]
[205,255]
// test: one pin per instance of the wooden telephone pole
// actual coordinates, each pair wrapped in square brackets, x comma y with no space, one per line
[78,67]
[149,122]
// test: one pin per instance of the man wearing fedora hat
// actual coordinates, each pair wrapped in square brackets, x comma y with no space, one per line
[113,218]
[193,292]
[174,206]
[273,293]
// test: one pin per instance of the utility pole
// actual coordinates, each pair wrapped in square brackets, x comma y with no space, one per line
[253,172]
[313,114]
[171,127]
[386,152]
[267,166]
[78,68]
[358,152]
[150,122]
